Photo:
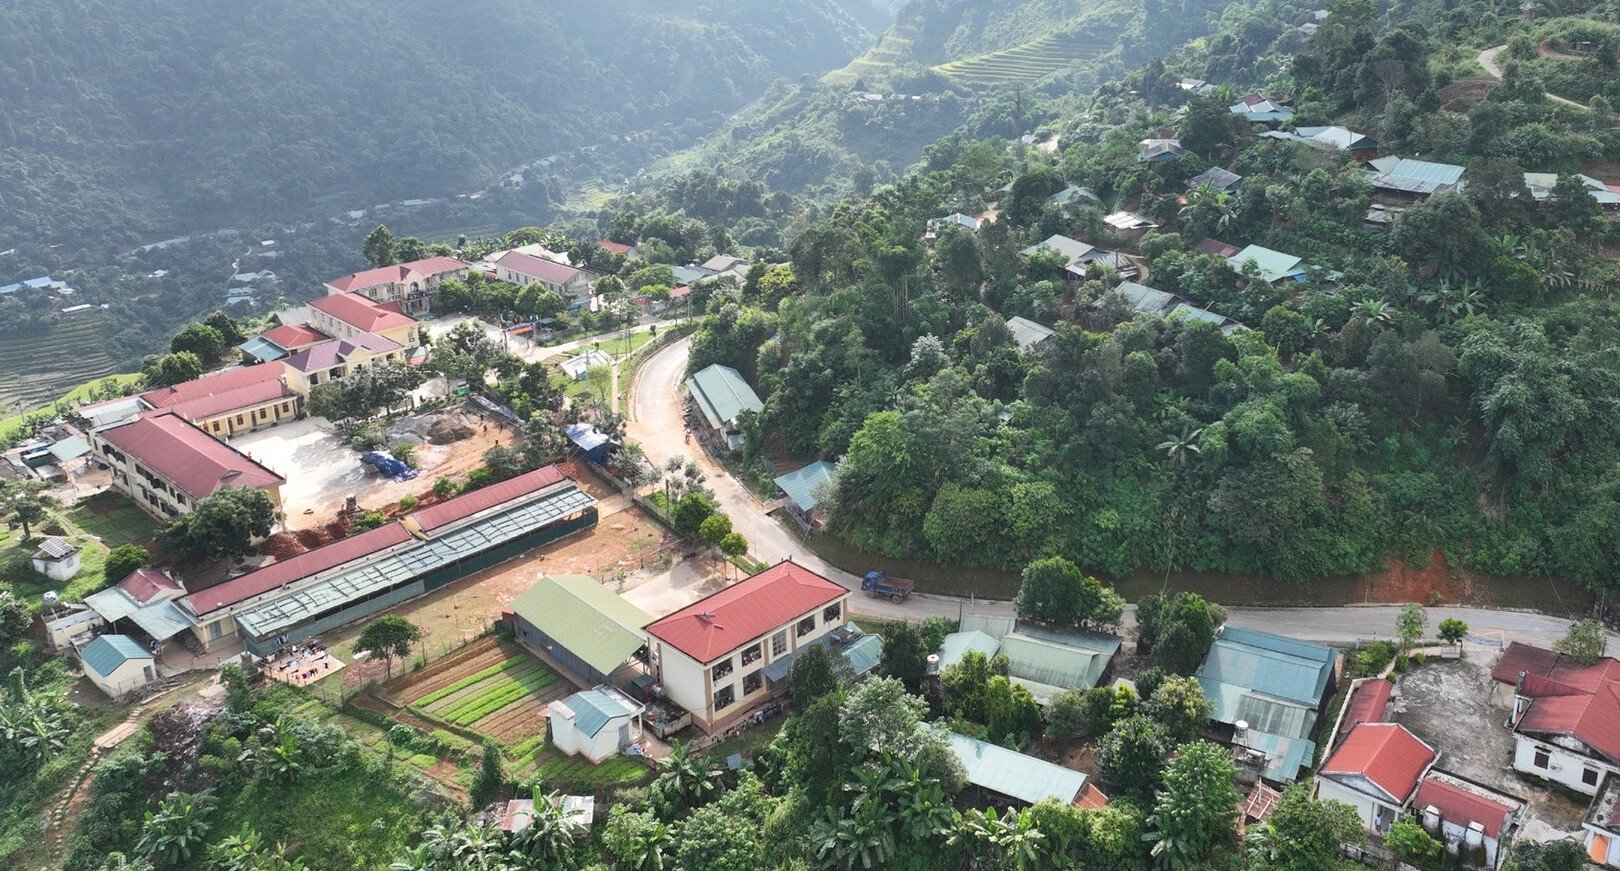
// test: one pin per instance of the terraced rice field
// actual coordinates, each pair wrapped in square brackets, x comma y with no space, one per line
[39,368]
[493,689]
[1024,64]
[877,61]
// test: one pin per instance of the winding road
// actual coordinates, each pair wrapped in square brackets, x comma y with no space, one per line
[1487,60]
[657,423]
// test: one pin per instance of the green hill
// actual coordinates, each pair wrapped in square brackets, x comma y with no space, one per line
[69,353]
[1025,64]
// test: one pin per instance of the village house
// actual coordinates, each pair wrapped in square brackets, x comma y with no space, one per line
[1541,186]
[1155,150]
[1027,334]
[1266,692]
[1259,109]
[336,359]
[1473,821]
[1219,180]
[278,342]
[118,664]
[231,402]
[521,269]
[1078,256]
[346,315]
[803,489]
[581,628]
[1072,195]
[1376,770]
[409,285]
[954,219]
[1007,778]
[720,396]
[1602,827]
[146,599]
[628,252]
[167,464]
[1566,717]
[1405,178]
[1044,661]
[1361,146]
[595,723]
[712,656]
[1273,266]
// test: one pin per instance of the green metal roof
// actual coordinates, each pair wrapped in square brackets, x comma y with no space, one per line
[596,708]
[957,644]
[722,394]
[108,652]
[1272,683]
[587,619]
[1048,662]
[263,349]
[1143,298]
[1273,265]
[394,569]
[161,620]
[801,485]
[1015,775]
[1285,755]
[112,604]
[862,654]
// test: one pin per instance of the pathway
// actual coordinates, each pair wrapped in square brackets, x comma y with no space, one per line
[1487,60]
[657,422]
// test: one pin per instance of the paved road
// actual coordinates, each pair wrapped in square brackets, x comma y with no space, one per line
[522,347]
[656,421]
[1487,59]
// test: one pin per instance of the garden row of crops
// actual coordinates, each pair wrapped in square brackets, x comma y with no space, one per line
[493,693]
[467,681]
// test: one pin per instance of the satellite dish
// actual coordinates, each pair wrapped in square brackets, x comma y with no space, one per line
[50,598]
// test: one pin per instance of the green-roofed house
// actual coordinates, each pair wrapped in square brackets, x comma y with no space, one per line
[1043,661]
[595,723]
[1007,777]
[588,631]
[1267,691]
[804,488]
[721,395]
[1274,266]
[118,664]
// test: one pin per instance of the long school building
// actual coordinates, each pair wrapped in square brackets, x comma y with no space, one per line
[348,580]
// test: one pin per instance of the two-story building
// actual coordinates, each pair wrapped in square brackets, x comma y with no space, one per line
[1566,716]
[515,267]
[230,402]
[167,464]
[346,315]
[410,285]
[337,359]
[711,656]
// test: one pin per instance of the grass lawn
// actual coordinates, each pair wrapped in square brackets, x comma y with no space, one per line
[72,397]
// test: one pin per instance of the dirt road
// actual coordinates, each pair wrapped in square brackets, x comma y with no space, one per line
[1487,60]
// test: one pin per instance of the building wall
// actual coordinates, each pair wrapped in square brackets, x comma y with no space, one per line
[692,685]
[404,334]
[576,288]
[58,570]
[1366,806]
[302,382]
[126,678]
[215,630]
[251,418]
[1564,766]
[1602,847]
[413,296]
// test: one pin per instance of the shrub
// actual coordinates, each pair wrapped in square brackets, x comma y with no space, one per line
[444,488]
[407,502]
[1372,658]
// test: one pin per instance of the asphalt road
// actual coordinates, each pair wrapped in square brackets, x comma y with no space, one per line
[657,423]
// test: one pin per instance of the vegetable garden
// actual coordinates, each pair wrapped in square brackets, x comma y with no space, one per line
[497,690]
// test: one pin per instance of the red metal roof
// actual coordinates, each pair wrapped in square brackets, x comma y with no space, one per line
[360,313]
[193,460]
[536,267]
[1367,703]
[143,584]
[1216,247]
[1560,676]
[401,272]
[615,247]
[365,544]
[1460,807]
[712,627]
[484,498]
[1592,717]
[291,337]
[1384,753]
[216,384]
[204,407]
[244,587]
[1091,797]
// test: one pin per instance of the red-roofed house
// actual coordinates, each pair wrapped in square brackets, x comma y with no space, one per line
[230,402]
[1375,770]
[711,656]
[336,359]
[1566,716]
[1471,819]
[346,315]
[167,464]
[411,285]
[295,337]
[628,252]
[521,269]
[1369,697]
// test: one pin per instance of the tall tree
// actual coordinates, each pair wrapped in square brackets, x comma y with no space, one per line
[1192,815]
[905,655]
[1303,834]
[379,249]
[388,636]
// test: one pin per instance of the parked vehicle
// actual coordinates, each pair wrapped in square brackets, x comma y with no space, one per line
[880,583]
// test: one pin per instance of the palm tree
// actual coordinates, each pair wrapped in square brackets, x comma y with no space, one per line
[1178,449]
[1372,311]
[549,837]
[684,779]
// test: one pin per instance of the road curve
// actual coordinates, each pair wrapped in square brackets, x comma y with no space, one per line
[657,423]
[1487,60]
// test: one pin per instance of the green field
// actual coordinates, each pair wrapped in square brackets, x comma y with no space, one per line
[38,368]
[1025,64]
[119,522]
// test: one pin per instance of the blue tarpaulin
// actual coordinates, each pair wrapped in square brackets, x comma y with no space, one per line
[388,466]
[592,443]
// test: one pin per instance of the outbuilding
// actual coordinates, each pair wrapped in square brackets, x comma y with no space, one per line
[118,664]
[595,723]
[56,558]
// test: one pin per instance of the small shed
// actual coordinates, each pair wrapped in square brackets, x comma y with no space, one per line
[595,723]
[802,488]
[591,443]
[1027,333]
[57,559]
[579,368]
[118,664]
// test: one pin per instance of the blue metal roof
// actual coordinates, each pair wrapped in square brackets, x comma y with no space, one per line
[957,644]
[1015,775]
[108,652]
[801,485]
[1282,668]
[586,436]
[594,709]
[263,349]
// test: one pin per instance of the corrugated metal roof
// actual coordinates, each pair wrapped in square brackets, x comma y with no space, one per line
[1027,333]
[112,604]
[1273,265]
[1285,755]
[1015,775]
[1270,665]
[1384,753]
[1073,249]
[485,498]
[108,652]
[957,644]
[1216,177]
[283,612]
[1414,176]
[862,654]
[70,448]
[718,624]
[161,620]
[261,348]
[722,394]
[1143,298]
[595,708]
[587,619]
[1052,662]
[801,485]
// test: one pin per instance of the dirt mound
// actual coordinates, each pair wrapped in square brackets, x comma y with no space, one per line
[447,430]
[438,428]
[282,545]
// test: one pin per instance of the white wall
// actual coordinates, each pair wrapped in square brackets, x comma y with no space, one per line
[563,733]
[130,676]
[1366,806]
[1565,766]
[683,680]
[1613,860]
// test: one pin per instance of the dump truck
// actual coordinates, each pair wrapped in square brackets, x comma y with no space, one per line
[884,585]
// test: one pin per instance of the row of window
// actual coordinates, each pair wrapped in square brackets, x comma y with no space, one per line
[752,682]
[753,653]
[1543,761]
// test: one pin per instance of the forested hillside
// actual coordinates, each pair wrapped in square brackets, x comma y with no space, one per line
[127,121]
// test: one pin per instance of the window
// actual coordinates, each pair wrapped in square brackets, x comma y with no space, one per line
[241,419]
[752,654]
[779,643]
[752,681]
[725,697]
[215,426]
[1542,760]
[264,413]
[833,612]
[722,670]
[286,407]
[1589,776]
[807,626]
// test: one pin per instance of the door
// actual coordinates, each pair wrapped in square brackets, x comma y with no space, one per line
[1599,852]
[624,734]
